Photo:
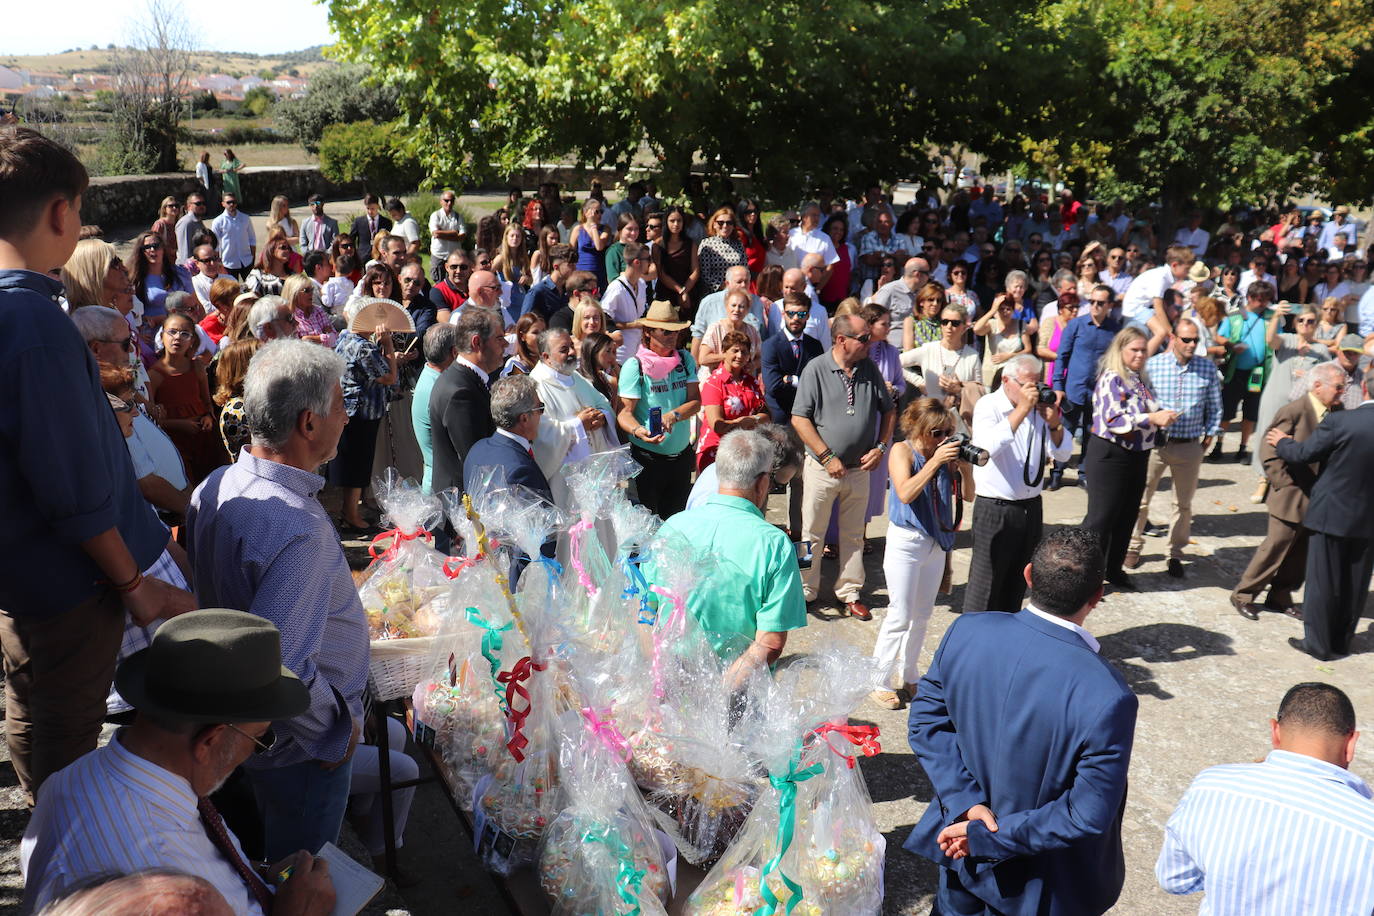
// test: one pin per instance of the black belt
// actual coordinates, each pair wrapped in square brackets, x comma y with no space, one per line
[1180,439]
[1011,502]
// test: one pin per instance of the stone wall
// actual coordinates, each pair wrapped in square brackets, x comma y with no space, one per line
[133,199]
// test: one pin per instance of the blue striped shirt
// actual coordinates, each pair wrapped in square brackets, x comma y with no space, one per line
[112,813]
[261,542]
[1193,389]
[1292,835]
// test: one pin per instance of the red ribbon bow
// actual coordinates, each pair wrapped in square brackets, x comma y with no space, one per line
[393,539]
[520,671]
[864,737]
[452,571]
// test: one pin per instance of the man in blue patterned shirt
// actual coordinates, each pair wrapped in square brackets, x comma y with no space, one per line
[261,542]
[1189,384]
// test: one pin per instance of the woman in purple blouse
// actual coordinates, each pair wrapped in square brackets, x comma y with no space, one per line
[1126,419]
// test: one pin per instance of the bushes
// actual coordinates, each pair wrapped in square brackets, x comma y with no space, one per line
[338,95]
[368,152]
[230,136]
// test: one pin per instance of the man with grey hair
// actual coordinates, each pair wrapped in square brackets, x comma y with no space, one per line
[1279,562]
[440,348]
[1018,434]
[578,420]
[752,595]
[151,892]
[1189,384]
[271,318]
[899,296]
[259,540]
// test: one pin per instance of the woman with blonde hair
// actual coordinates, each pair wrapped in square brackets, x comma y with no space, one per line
[1126,418]
[590,318]
[86,273]
[279,217]
[539,260]
[312,321]
[923,325]
[512,264]
[720,250]
[168,212]
[232,369]
[927,479]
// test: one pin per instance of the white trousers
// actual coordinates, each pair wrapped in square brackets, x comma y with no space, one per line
[913,564]
[365,791]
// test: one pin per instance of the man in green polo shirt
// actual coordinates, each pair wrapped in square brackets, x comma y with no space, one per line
[753,594]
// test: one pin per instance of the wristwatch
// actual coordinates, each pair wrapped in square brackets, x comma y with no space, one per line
[882,447]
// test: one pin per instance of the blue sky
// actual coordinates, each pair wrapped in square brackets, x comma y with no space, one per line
[256,26]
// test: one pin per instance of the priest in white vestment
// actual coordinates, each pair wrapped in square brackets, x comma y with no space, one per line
[577,418]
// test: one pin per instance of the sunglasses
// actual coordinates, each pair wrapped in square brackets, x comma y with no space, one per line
[127,344]
[725,222]
[861,338]
[1099,302]
[940,434]
[951,322]
[152,246]
[1306,321]
[446,200]
[213,259]
[118,404]
[261,744]
[1187,340]
[795,314]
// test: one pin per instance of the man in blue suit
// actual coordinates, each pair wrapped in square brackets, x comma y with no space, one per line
[1025,733]
[785,354]
[506,459]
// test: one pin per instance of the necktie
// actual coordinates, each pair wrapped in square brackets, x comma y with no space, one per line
[796,349]
[219,835]
[371,227]
[531,451]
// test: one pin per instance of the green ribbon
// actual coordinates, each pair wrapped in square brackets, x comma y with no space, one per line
[492,643]
[628,879]
[787,824]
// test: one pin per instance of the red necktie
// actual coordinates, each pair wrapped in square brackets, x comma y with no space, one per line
[219,835]
[531,451]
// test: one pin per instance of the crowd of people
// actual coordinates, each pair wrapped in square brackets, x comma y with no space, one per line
[909,361]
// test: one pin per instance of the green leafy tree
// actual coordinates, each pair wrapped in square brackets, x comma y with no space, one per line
[368,152]
[337,96]
[258,101]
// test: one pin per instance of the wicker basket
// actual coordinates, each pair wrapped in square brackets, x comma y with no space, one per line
[397,665]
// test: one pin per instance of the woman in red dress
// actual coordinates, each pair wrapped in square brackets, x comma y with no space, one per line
[732,398]
[181,387]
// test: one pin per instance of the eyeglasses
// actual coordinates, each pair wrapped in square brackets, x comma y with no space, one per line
[152,246]
[1115,257]
[1305,321]
[484,262]
[861,338]
[1099,302]
[231,203]
[951,322]
[725,222]
[177,335]
[940,434]
[1187,340]
[213,259]
[795,313]
[261,744]
[118,404]
[127,344]
[446,200]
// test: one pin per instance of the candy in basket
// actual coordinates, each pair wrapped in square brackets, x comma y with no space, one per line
[405,590]
[809,846]
[459,706]
[601,854]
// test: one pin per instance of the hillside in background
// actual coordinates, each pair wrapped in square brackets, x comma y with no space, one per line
[232,63]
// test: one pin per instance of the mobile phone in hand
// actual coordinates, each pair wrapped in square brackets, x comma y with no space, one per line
[655,421]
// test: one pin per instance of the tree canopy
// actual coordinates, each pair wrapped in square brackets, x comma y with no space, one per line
[1187,99]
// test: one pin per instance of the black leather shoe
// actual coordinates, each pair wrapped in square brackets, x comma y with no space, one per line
[1245,608]
[1301,646]
[1176,568]
[1215,454]
[1121,582]
[1155,531]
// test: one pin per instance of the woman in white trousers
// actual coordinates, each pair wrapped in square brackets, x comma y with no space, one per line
[920,531]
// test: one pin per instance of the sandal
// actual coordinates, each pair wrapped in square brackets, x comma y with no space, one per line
[887,699]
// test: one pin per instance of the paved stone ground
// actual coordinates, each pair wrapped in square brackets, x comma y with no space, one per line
[1207,680]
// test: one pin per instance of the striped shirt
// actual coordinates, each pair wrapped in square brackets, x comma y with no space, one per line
[1290,835]
[112,813]
[261,542]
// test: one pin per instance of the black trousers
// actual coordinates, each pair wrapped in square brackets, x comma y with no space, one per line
[1116,481]
[1005,534]
[1338,572]
[666,480]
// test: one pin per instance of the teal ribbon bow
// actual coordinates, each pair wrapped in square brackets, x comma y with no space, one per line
[492,643]
[638,586]
[628,879]
[787,825]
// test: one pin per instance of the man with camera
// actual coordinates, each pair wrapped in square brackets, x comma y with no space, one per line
[1019,427]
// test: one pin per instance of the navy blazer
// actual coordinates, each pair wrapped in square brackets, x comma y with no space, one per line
[779,361]
[514,463]
[1018,714]
[1342,502]
[358,229]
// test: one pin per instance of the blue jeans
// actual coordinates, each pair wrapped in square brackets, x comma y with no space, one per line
[302,805]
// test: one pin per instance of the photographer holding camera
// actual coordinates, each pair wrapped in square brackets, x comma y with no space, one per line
[1020,428]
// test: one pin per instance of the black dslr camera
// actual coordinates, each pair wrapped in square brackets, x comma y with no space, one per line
[1045,396]
[968,451]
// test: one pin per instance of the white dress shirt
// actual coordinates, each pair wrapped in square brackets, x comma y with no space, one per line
[1003,477]
[813,242]
[236,239]
[1066,624]
[113,812]
[1248,276]
[526,444]
[481,373]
